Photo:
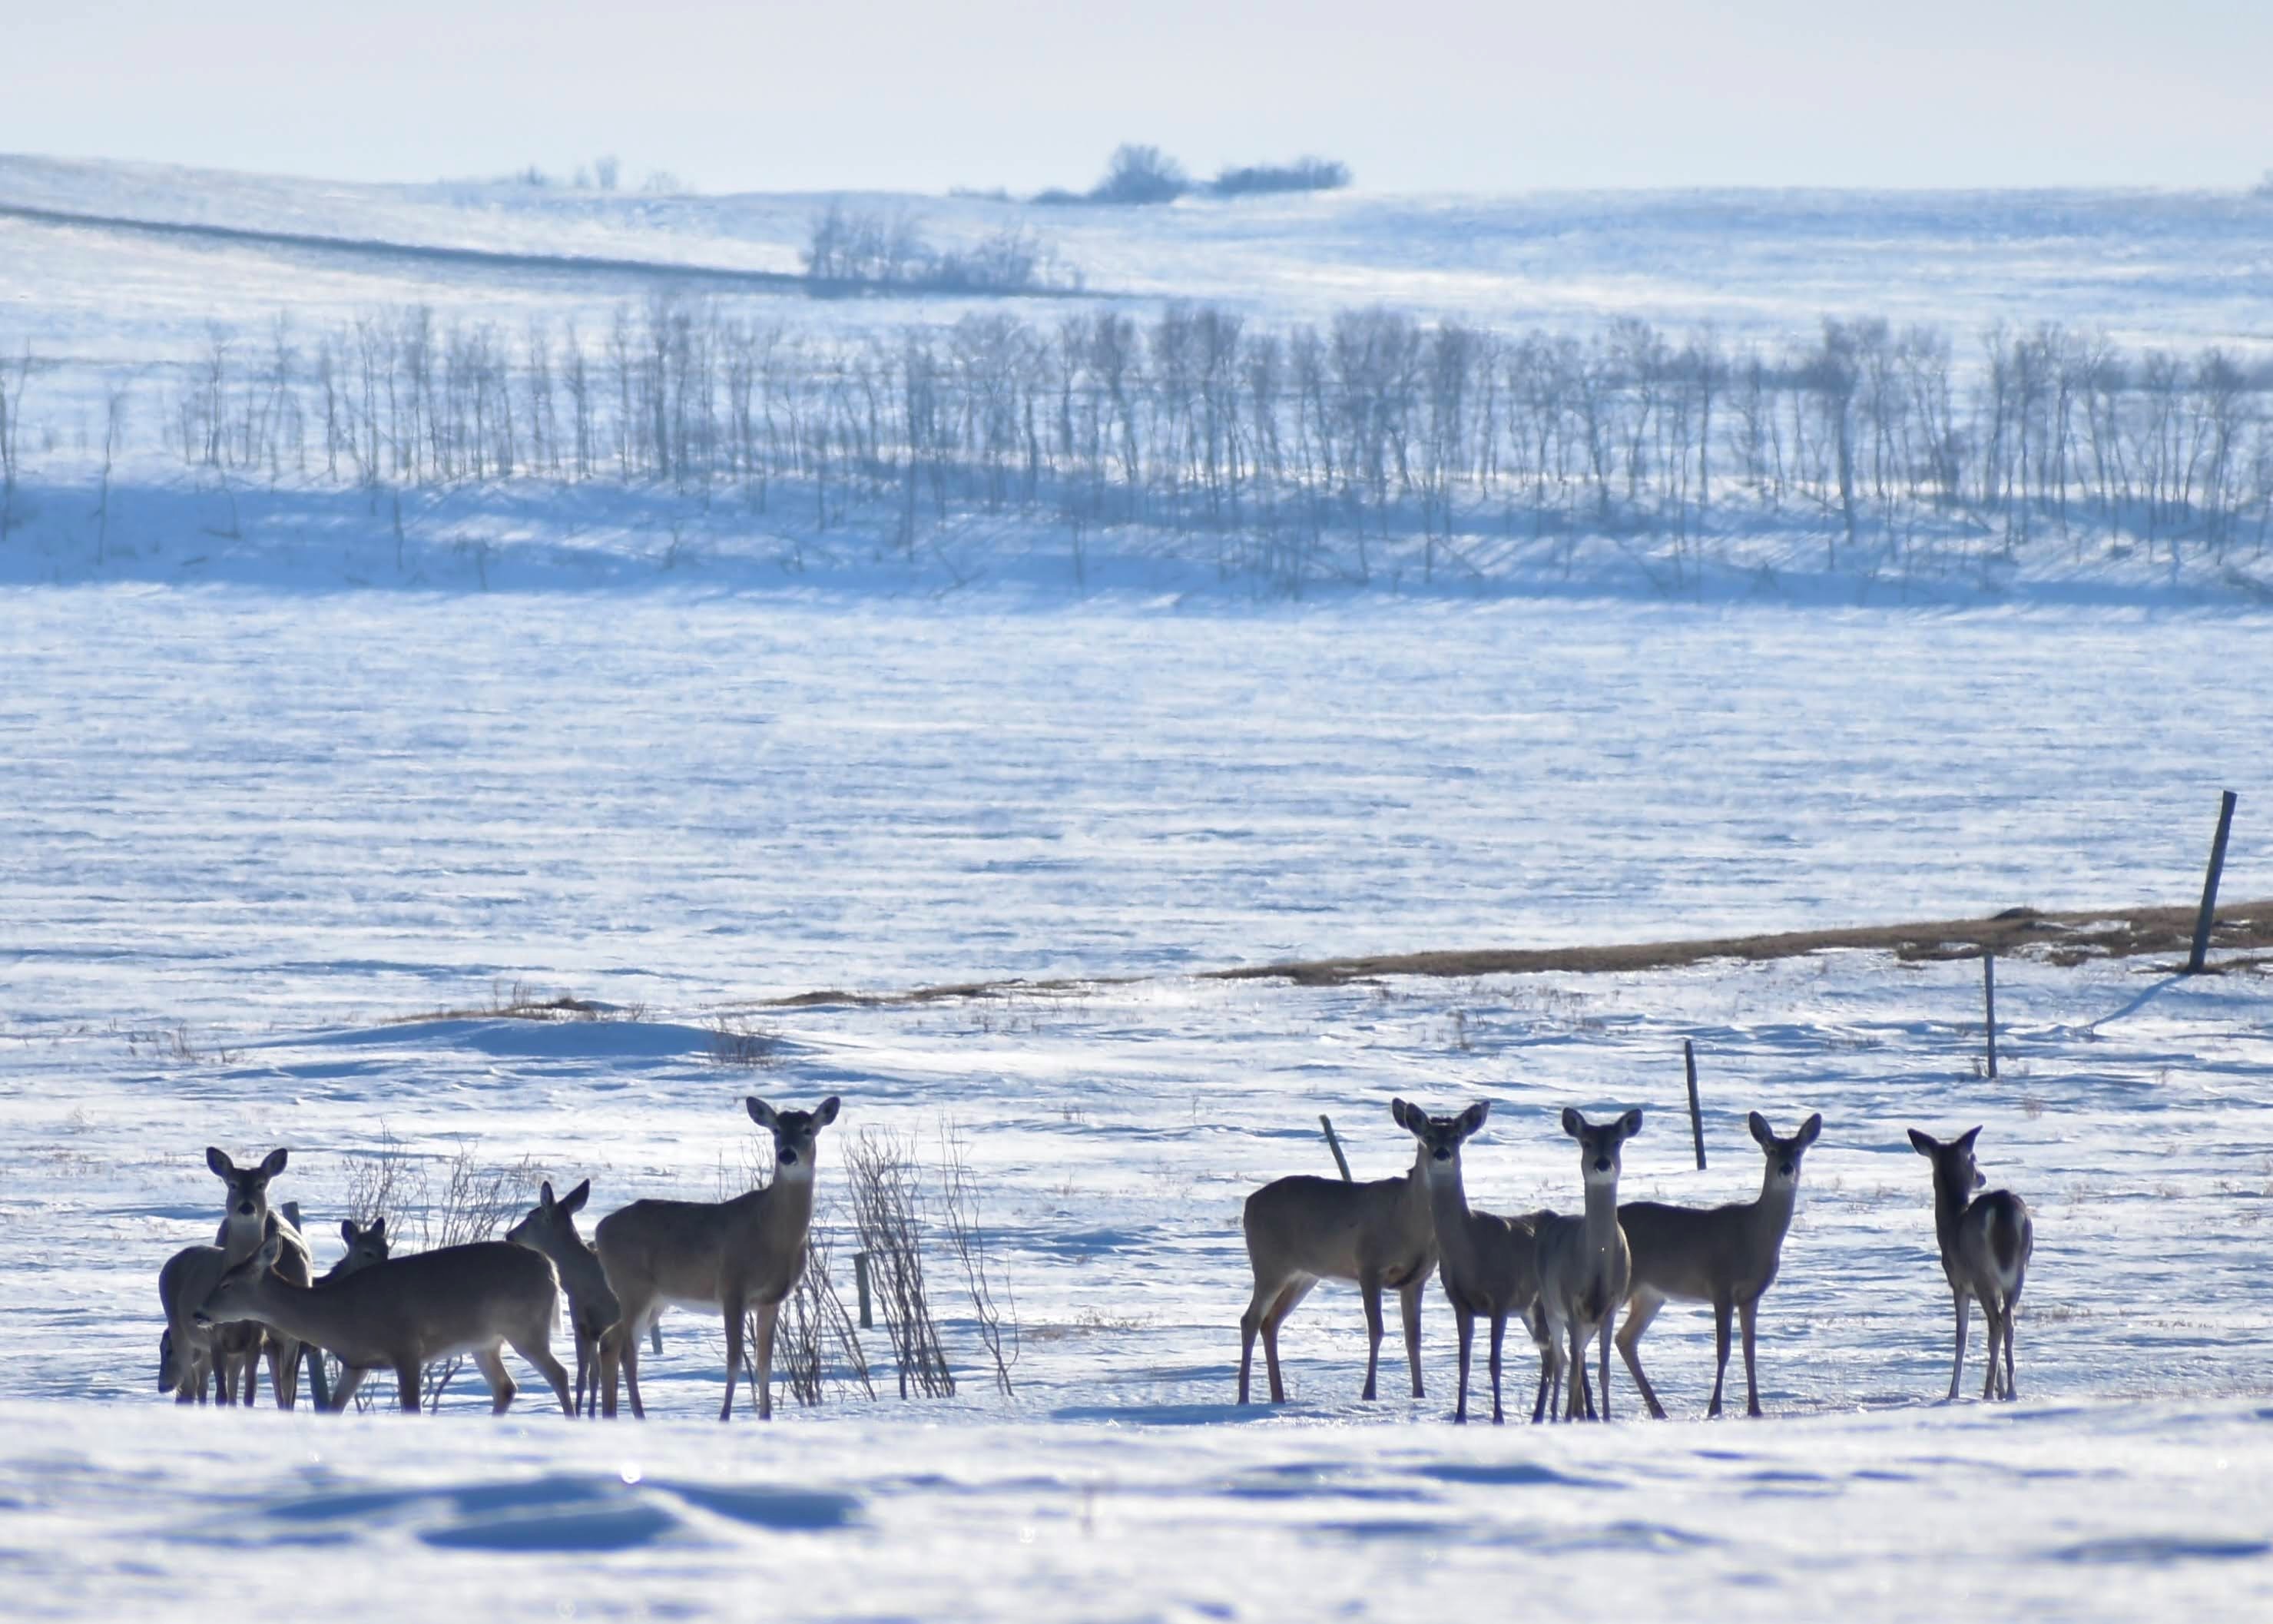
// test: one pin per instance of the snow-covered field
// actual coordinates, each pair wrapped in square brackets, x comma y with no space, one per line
[252,827]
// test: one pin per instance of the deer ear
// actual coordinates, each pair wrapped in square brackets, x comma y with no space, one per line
[1397,1109]
[761,1112]
[1472,1118]
[1965,1139]
[1574,1123]
[270,1250]
[348,1231]
[218,1160]
[825,1111]
[544,1196]
[272,1165]
[1762,1132]
[574,1201]
[377,1230]
[1925,1144]
[1630,1124]
[1809,1130]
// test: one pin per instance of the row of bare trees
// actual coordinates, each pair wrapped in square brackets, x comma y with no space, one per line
[1198,421]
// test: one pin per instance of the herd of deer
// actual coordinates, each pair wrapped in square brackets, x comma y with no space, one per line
[254,1291]
[1567,1278]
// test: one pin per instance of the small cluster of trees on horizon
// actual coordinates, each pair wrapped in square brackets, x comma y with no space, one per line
[861,252]
[1299,447]
[1138,173]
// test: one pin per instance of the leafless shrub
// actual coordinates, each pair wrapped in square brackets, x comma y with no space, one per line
[735,1041]
[813,1322]
[997,1321]
[887,1213]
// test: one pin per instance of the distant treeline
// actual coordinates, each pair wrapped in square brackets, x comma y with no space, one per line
[1304,443]
[1138,173]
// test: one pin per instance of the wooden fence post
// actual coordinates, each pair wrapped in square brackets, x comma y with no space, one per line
[1696,1112]
[2210,884]
[861,1281]
[1989,997]
[1335,1145]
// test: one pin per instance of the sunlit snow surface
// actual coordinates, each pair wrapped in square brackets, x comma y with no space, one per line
[246,831]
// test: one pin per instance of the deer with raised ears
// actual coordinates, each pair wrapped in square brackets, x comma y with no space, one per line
[1583,1265]
[245,1223]
[1985,1245]
[1726,1256]
[366,1245]
[1302,1229]
[1489,1264]
[408,1312]
[550,1227]
[728,1256]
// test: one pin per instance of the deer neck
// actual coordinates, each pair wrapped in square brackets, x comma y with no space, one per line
[1448,1208]
[301,1313]
[1771,1211]
[1602,1213]
[1949,1205]
[782,1212]
[241,1237]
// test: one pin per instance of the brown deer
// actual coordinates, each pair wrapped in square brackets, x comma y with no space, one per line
[550,1227]
[1583,1265]
[1985,1245]
[1726,1256]
[726,1257]
[1302,1229]
[1489,1264]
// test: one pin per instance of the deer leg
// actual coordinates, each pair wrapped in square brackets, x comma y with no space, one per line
[350,1378]
[1464,1322]
[1409,1300]
[1639,1311]
[1258,1310]
[611,1342]
[1534,1321]
[1575,1375]
[1602,1353]
[587,1346]
[768,1312]
[630,1355]
[1957,1370]
[500,1379]
[1991,1384]
[1722,1311]
[2011,1304]
[536,1348]
[406,1385]
[1748,1314]
[1369,1287]
[1289,1296]
[733,1307]
[1499,1334]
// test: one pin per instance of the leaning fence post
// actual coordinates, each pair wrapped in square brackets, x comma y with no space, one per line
[1989,1001]
[2210,884]
[1696,1112]
[860,1279]
[1335,1145]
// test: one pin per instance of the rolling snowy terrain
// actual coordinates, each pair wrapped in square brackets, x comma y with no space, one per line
[281,849]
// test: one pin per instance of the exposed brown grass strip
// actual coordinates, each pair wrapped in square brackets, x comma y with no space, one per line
[2054,938]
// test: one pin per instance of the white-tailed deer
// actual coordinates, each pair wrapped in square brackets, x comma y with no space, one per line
[366,1245]
[1726,1256]
[408,1312]
[729,1257]
[245,1222]
[185,1355]
[550,1227]
[1489,1264]
[1583,1265]
[1302,1229]
[1985,1245]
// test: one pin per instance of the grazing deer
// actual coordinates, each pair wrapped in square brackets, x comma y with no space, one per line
[1302,1229]
[725,1256]
[407,1312]
[549,1228]
[245,1222]
[1583,1265]
[1726,1256]
[1986,1244]
[1489,1264]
